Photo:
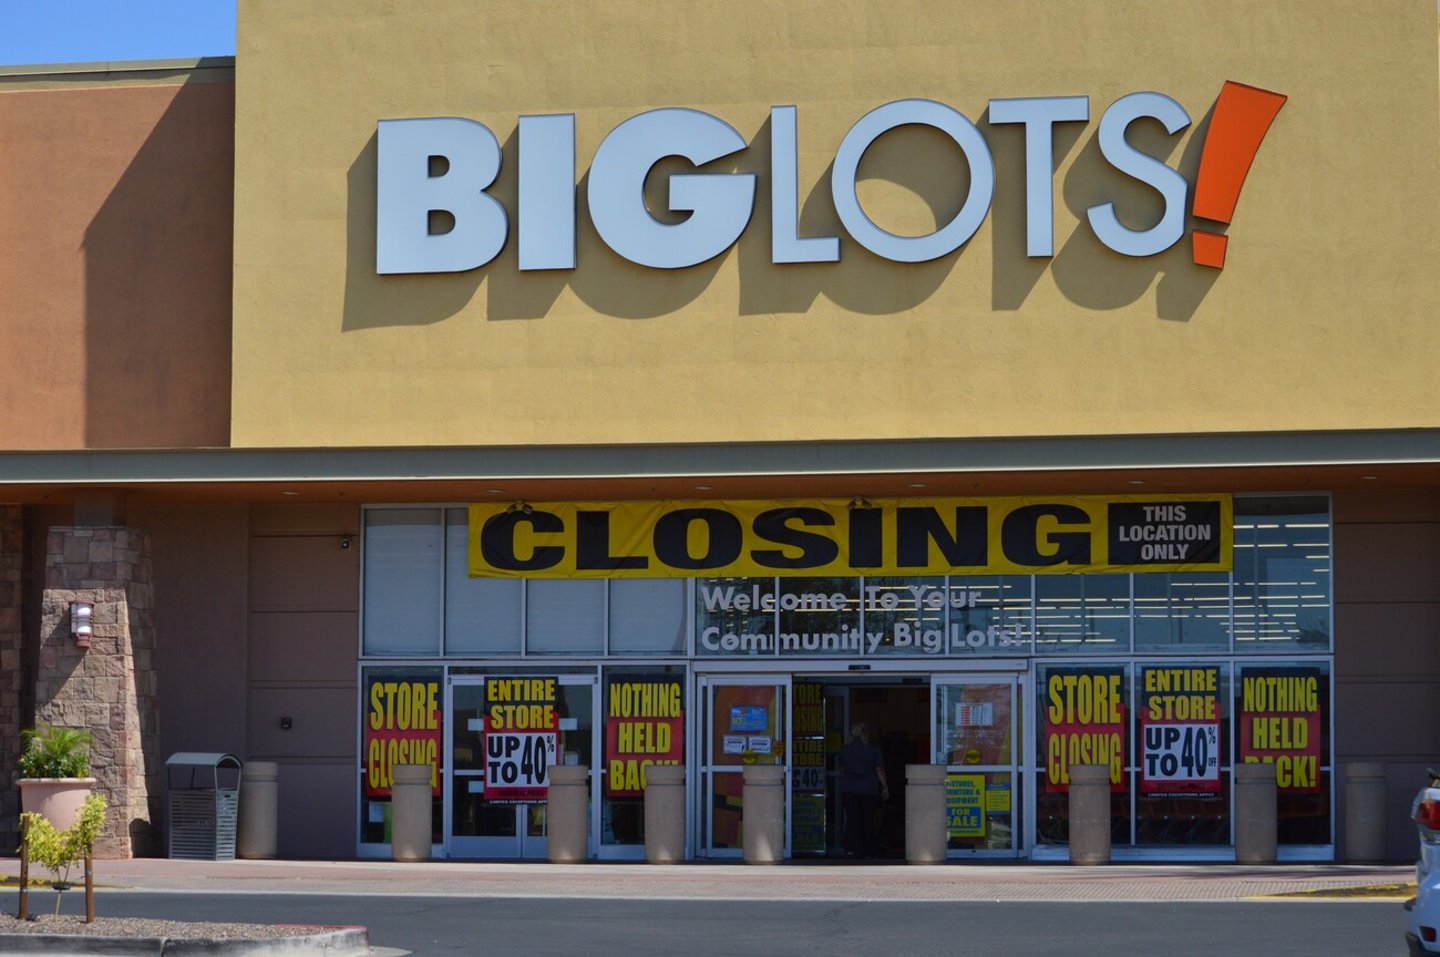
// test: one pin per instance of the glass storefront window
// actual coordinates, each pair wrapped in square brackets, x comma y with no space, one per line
[647,616]
[1182,612]
[1082,717]
[404,555]
[1182,742]
[1279,596]
[735,617]
[482,615]
[1282,716]
[565,616]
[402,721]
[643,710]
[995,616]
[1082,614]
[1282,574]
[903,613]
[820,617]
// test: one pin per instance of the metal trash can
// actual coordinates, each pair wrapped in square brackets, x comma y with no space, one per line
[204,805]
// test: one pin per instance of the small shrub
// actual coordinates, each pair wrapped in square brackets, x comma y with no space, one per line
[58,851]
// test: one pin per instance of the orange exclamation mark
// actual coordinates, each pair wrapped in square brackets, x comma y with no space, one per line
[1241,119]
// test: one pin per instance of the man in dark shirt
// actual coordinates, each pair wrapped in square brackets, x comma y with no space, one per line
[862,788]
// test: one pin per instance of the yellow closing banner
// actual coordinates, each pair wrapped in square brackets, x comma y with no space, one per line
[842,537]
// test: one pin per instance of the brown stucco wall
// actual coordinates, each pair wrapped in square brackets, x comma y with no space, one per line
[115,217]
[256,617]
[200,554]
[1387,646]
[304,610]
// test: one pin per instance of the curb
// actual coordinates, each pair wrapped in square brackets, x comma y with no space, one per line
[344,942]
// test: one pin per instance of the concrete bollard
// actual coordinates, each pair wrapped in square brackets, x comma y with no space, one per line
[1365,812]
[664,813]
[926,835]
[1255,813]
[568,816]
[762,814]
[257,829]
[410,814]
[1089,814]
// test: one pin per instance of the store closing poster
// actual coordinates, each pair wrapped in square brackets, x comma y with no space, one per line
[644,726]
[1280,723]
[403,725]
[1084,712]
[521,739]
[1180,731]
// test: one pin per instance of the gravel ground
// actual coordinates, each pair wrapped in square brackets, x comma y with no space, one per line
[145,927]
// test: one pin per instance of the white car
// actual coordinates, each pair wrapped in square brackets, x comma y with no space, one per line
[1422,912]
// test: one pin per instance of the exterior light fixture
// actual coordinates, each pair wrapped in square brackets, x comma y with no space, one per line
[80,614]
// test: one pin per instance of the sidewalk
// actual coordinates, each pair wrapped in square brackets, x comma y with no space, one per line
[1007,881]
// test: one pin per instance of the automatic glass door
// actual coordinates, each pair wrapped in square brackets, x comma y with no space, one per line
[745,723]
[495,805]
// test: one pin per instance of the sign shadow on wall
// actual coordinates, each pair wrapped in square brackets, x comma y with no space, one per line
[912,167]
[372,300]
[1094,277]
[1013,272]
[613,285]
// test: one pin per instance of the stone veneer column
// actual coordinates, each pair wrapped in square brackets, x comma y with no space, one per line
[107,689]
[13,673]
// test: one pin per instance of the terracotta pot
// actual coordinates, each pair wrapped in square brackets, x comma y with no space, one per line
[57,800]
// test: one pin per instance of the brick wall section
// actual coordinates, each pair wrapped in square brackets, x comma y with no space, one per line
[108,688]
[13,673]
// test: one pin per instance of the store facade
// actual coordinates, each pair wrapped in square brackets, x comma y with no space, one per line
[1164,672]
[497,388]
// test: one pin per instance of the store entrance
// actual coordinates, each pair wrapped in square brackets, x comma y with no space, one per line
[970,723]
[895,712]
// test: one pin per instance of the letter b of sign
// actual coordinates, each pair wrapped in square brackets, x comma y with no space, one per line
[441,164]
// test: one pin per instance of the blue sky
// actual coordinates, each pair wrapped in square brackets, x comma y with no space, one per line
[83,31]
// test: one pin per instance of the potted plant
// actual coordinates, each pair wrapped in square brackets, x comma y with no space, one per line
[58,850]
[55,774]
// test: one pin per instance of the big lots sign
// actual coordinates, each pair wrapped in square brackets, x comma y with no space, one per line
[448,163]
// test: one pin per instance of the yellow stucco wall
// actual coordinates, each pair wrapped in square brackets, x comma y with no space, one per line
[1325,315]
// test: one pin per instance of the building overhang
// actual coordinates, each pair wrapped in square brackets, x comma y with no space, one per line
[1308,461]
